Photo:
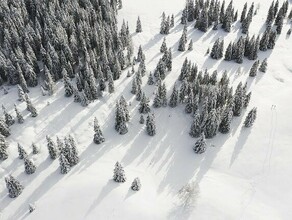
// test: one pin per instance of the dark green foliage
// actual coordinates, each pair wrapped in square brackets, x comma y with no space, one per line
[119,173]
[200,145]
[250,118]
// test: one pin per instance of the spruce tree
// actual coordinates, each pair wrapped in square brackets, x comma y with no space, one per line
[247,100]
[173,101]
[3,148]
[212,124]
[138,26]
[4,129]
[111,86]
[67,84]
[150,125]
[14,187]
[21,96]
[163,47]
[136,185]
[64,164]
[9,120]
[228,53]
[190,47]
[29,166]
[200,145]
[250,118]
[150,79]
[263,66]
[190,103]
[238,100]
[195,130]
[243,13]
[119,173]
[224,126]
[254,69]
[142,120]
[19,116]
[98,136]
[70,151]
[35,149]
[53,151]
[21,152]
[144,105]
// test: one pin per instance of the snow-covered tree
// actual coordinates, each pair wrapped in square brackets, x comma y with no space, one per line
[14,187]
[254,69]
[35,149]
[142,120]
[3,148]
[163,47]
[224,126]
[29,166]
[250,118]
[263,66]
[64,164]
[53,151]
[19,116]
[200,145]
[119,173]
[150,125]
[21,152]
[9,120]
[138,26]
[195,130]
[98,136]
[173,101]
[4,129]
[136,184]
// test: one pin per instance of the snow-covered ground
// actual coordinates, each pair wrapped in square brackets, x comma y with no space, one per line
[243,175]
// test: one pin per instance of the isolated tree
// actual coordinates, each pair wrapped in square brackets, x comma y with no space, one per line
[14,187]
[120,120]
[250,118]
[53,151]
[119,173]
[200,145]
[136,185]
[138,26]
[150,125]
[64,164]
[254,69]
[263,66]
[21,152]
[29,166]
[31,207]
[98,136]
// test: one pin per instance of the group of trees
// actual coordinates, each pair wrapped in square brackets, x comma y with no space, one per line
[120,177]
[166,23]
[55,40]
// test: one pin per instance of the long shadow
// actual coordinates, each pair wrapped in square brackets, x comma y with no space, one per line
[106,189]
[242,138]
[153,41]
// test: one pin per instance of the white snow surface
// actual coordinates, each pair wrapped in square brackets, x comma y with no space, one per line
[245,174]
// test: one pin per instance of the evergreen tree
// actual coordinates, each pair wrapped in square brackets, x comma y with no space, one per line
[172,20]
[134,86]
[19,116]
[98,136]
[111,86]
[157,102]
[67,84]
[280,25]
[70,151]
[254,69]
[150,125]
[140,55]
[228,53]
[263,66]
[29,166]
[173,101]
[238,100]
[21,152]
[150,79]
[136,185]
[224,126]
[203,21]
[272,40]
[3,148]
[4,129]
[142,68]
[53,151]
[120,120]
[200,145]
[142,120]
[138,26]
[271,15]
[243,13]
[35,149]
[9,120]
[14,187]
[212,124]
[195,130]
[182,42]
[190,47]
[250,118]
[64,164]
[163,47]
[21,96]
[144,105]
[190,103]
[83,99]
[119,173]
[217,50]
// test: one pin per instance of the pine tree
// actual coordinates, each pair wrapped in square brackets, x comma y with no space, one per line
[224,126]
[254,69]
[14,187]
[190,47]
[250,118]
[53,151]
[29,166]
[142,68]
[83,99]
[30,107]
[144,105]
[272,40]
[263,66]
[217,50]
[120,120]
[119,173]
[134,86]
[138,26]
[4,129]
[200,145]
[150,125]
[21,152]
[140,55]
[150,79]
[157,102]
[271,15]
[247,100]
[142,120]
[238,100]
[19,116]
[21,96]
[182,42]
[35,149]
[64,164]
[195,130]
[67,84]
[136,185]
[280,25]
[98,136]
[70,151]
[3,148]
[228,53]
[173,101]
[163,47]
[212,124]
[9,120]
[190,103]
[243,13]
[203,20]
[111,86]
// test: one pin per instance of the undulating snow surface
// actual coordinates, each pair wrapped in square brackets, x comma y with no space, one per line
[245,174]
